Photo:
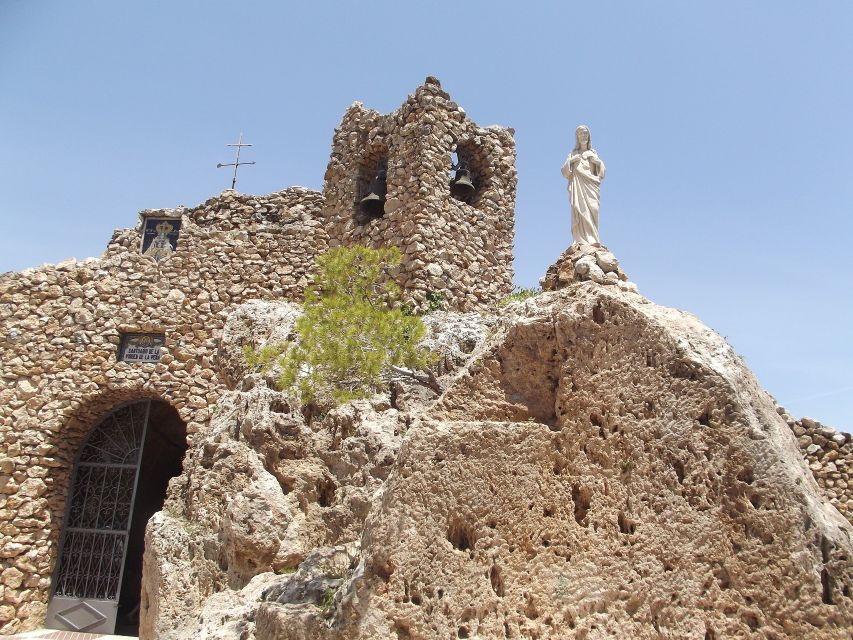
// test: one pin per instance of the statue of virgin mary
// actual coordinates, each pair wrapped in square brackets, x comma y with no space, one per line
[584,170]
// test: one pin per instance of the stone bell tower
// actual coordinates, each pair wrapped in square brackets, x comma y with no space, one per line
[456,240]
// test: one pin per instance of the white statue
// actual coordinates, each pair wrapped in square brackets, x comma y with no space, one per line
[584,170]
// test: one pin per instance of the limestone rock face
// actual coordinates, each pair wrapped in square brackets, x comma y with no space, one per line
[262,491]
[253,324]
[607,468]
[456,339]
[596,466]
[258,495]
[317,579]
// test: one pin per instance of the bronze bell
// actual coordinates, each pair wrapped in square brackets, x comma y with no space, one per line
[461,186]
[373,204]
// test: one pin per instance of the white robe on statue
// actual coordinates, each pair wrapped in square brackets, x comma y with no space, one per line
[585,190]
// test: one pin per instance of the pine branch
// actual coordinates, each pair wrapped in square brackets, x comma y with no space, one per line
[427,378]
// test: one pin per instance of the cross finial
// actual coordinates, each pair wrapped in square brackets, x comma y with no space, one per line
[239,144]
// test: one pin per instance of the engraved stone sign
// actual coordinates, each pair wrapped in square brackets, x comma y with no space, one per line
[141,347]
[160,237]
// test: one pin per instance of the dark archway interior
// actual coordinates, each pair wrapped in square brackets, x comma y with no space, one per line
[162,457]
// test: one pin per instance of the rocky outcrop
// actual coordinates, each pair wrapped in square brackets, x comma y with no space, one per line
[608,469]
[258,495]
[596,466]
[253,325]
[582,262]
[263,490]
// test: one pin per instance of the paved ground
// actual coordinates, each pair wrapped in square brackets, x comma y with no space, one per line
[51,634]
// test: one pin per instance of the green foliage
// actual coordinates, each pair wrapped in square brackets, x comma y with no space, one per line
[435,300]
[328,601]
[262,360]
[521,293]
[352,329]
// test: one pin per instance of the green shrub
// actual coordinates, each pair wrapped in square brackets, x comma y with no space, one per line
[435,301]
[352,330]
[264,359]
[521,293]
[328,601]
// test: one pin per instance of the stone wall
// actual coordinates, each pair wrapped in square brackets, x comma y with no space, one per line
[459,250]
[829,454]
[60,327]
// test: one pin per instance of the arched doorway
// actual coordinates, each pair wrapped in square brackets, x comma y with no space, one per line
[119,482]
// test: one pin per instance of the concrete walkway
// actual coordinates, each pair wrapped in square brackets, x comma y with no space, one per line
[53,634]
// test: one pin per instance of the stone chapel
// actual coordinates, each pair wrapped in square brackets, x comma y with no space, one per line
[588,464]
[109,365]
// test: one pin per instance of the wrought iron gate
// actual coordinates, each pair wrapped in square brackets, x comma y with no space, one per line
[87,583]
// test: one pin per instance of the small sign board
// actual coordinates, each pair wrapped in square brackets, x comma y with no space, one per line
[160,237]
[141,347]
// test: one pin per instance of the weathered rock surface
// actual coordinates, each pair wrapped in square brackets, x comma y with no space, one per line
[317,578]
[596,467]
[263,490]
[253,324]
[582,262]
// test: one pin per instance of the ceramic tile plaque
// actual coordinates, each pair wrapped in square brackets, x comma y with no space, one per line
[141,347]
[160,237]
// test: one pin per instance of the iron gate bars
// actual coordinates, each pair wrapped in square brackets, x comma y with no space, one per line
[97,525]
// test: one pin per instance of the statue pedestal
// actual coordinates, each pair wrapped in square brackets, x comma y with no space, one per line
[582,262]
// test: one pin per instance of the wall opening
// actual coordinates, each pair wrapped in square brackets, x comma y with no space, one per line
[371,186]
[469,173]
[462,185]
[119,481]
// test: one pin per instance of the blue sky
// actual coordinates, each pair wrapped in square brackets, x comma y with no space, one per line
[725,127]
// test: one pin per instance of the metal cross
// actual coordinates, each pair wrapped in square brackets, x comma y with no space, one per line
[237,163]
